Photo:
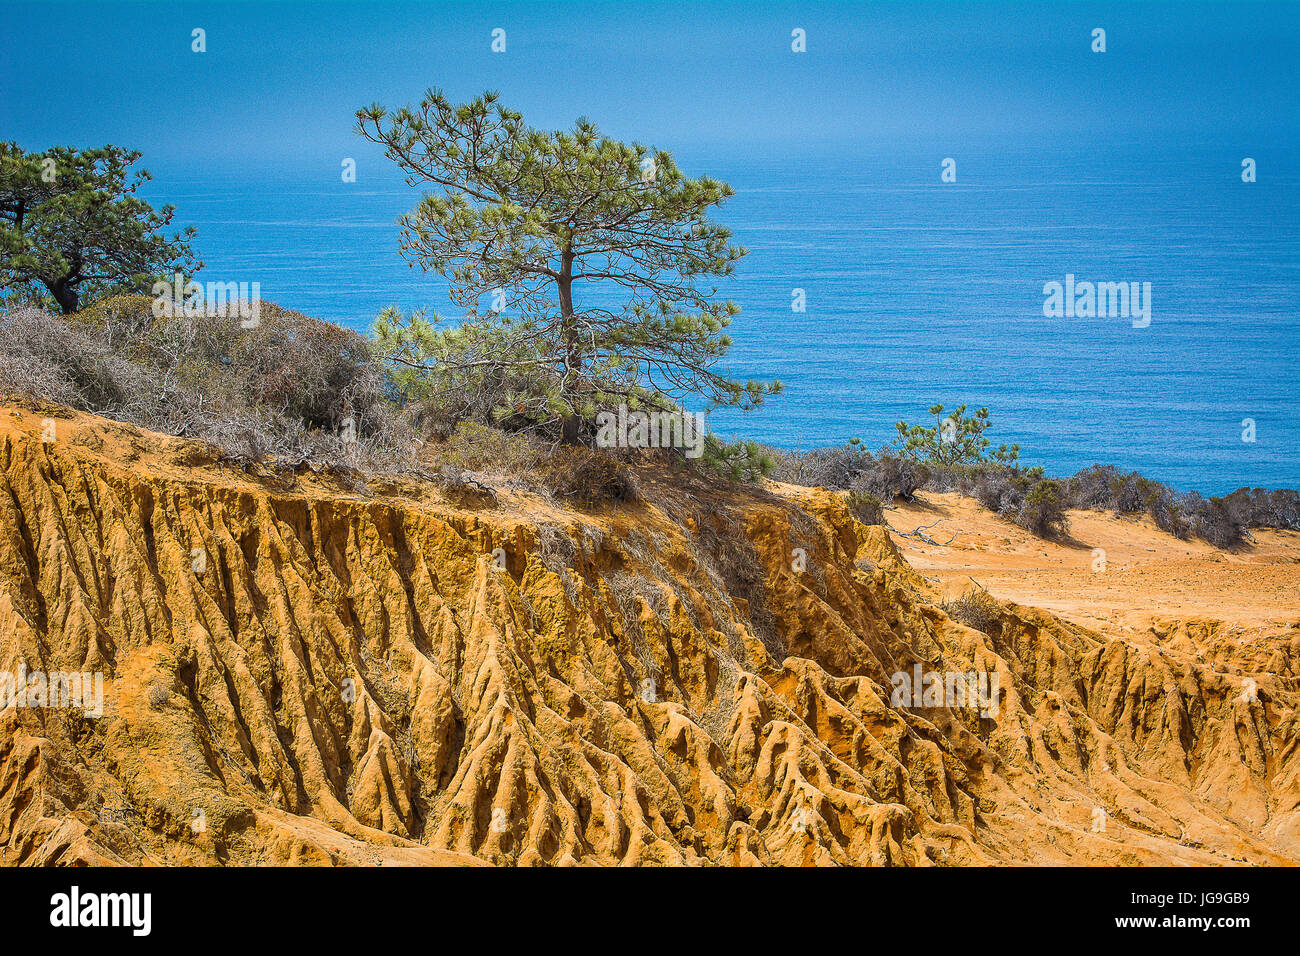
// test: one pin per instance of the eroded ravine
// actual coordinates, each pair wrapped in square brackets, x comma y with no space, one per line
[326,674]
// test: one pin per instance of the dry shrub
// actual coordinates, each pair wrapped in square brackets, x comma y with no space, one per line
[476,447]
[589,477]
[885,475]
[574,474]
[727,550]
[1216,523]
[1000,491]
[45,356]
[1221,521]
[292,389]
[822,467]
[158,695]
[975,609]
[578,475]
[892,477]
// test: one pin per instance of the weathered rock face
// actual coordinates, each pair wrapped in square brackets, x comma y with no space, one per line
[328,675]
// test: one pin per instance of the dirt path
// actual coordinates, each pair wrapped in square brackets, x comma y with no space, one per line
[1147,574]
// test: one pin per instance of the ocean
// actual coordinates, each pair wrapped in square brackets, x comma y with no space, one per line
[915,291]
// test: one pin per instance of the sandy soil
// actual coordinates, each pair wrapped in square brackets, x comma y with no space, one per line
[516,690]
[1147,574]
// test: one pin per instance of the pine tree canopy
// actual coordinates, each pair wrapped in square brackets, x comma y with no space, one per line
[598,256]
[955,440]
[71,225]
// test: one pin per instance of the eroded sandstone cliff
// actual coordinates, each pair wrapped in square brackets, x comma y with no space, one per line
[324,671]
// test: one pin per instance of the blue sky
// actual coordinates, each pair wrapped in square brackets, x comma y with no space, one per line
[280,80]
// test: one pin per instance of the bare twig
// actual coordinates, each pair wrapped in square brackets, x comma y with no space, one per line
[918,534]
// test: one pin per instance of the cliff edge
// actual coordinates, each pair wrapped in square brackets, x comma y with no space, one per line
[330,670]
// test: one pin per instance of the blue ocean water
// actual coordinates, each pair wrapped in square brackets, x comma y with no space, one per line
[917,291]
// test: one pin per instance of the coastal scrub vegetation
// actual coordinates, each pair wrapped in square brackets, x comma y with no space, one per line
[975,608]
[296,392]
[919,461]
[510,392]
[534,220]
[292,389]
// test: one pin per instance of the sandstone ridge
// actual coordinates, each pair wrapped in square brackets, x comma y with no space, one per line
[328,671]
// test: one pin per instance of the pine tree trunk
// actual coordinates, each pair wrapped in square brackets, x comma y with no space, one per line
[65,295]
[572,424]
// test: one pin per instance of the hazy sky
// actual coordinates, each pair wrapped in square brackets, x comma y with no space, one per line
[280,80]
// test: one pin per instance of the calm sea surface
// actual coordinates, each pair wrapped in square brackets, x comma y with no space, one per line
[916,291]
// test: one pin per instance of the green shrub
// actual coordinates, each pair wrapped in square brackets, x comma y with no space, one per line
[1042,511]
[955,439]
[866,507]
